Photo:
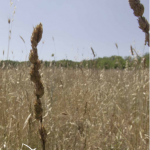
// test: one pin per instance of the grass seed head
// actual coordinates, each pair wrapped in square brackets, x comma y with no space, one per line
[39,89]
[93,51]
[137,7]
[43,134]
[143,24]
[131,50]
[8,21]
[33,57]
[38,109]
[116,45]
[34,75]
[36,35]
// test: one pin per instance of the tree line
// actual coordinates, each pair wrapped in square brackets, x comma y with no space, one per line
[113,62]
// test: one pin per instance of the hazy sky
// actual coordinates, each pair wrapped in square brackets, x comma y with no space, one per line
[76,25]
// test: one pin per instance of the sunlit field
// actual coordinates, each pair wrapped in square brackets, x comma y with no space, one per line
[93,109]
[92,103]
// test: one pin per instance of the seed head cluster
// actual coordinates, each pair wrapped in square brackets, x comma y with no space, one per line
[138,9]
[36,78]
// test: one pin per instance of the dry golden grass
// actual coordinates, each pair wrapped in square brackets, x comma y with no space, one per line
[89,110]
[83,109]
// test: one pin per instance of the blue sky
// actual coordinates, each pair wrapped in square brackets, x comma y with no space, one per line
[75,25]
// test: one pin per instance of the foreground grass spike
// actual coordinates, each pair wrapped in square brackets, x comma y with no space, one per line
[38,109]
[143,24]
[43,135]
[36,79]
[138,9]
[36,35]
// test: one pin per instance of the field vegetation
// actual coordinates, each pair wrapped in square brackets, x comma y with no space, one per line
[98,104]
[82,109]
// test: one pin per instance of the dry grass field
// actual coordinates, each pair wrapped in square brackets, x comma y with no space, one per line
[78,109]
[89,110]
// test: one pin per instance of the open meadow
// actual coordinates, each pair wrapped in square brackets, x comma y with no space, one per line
[91,100]
[82,109]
